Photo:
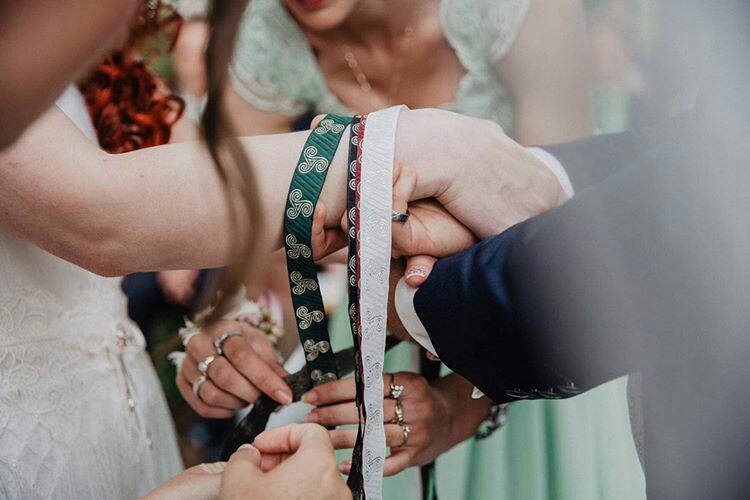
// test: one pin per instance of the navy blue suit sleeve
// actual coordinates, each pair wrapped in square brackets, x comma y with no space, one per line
[543,310]
[590,161]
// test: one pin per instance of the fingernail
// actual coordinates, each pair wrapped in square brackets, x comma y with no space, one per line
[345,467]
[282,397]
[312,418]
[310,397]
[416,271]
[246,446]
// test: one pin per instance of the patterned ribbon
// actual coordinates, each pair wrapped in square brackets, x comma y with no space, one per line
[304,191]
[376,201]
[357,129]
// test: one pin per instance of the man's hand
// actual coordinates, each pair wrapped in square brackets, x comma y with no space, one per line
[295,461]
[483,178]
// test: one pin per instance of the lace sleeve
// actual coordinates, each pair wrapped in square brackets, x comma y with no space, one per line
[482,31]
[273,67]
[507,17]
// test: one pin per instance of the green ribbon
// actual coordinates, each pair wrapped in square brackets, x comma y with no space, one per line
[304,191]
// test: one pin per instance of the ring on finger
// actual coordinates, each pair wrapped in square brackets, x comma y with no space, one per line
[197,386]
[399,411]
[219,341]
[399,217]
[406,430]
[203,365]
[396,389]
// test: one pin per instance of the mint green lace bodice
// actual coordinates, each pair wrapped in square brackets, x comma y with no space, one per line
[274,68]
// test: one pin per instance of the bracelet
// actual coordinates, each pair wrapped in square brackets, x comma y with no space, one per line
[495,419]
[239,309]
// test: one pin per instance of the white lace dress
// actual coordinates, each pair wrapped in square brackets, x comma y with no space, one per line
[82,414]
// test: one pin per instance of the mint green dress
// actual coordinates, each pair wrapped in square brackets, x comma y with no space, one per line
[577,449]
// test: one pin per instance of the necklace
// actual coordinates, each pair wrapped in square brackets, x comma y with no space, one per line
[361,78]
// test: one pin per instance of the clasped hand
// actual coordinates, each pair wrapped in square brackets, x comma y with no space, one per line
[461,179]
[295,461]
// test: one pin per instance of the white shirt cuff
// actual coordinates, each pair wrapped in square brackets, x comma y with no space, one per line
[404,297]
[556,167]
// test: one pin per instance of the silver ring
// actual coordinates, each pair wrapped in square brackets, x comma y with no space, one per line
[396,389]
[203,365]
[197,386]
[399,217]
[406,430]
[219,341]
[399,411]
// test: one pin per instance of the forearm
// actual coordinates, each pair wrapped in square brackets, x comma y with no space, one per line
[157,208]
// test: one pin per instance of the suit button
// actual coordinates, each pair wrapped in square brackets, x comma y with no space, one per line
[518,393]
[570,388]
[549,393]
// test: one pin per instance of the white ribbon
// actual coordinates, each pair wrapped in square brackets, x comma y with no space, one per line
[376,200]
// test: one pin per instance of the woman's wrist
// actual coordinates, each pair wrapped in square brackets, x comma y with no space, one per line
[464,413]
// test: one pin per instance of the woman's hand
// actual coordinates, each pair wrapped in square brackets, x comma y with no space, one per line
[178,286]
[196,483]
[440,415]
[248,367]
[430,228]
[294,461]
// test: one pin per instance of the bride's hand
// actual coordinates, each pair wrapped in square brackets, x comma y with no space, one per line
[430,229]
[248,368]
[436,414]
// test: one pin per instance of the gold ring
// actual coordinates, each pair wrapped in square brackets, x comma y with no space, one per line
[399,411]
[406,430]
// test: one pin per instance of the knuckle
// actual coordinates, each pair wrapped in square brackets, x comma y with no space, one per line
[238,354]
[222,376]
[209,396]
[193,346]
[202,411]
[264,378]
[252,394]
[325,417]
[419,384]
[218,326]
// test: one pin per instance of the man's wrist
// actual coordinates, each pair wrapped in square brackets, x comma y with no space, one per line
[554,165]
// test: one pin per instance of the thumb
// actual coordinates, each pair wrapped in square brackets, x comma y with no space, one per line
[418,268]
[316,121]
[325,241]
[243,466]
